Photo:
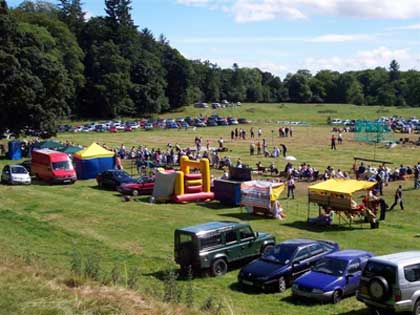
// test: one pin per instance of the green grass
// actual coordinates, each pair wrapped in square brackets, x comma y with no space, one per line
[47,222]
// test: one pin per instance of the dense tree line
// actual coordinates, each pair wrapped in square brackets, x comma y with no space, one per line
[55,63]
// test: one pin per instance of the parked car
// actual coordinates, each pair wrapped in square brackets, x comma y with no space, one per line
[171,125]
[232,121]
[222,122]
[201,105]
[211,122]
[277,268]
[333,277]
[113,129]
[142,186]
[199,123]
[52,166]
[148,126]
[215,105]
[244,121]
[128,128]
[15,174]
[214,245]
[111,179]
[336,121]
[392,283]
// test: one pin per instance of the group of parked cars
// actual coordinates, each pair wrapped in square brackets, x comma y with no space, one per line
[216,105]
[46,165]
[148,124]
[314,269]
[121,181]
[397,124]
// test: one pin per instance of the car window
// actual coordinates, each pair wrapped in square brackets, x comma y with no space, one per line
[412,273]
[230,236]
[211,241]
[245,233]
[354,267]
[302,254]
[316,249]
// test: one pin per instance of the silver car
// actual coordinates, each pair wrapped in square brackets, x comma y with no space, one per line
[392,283]
[15,174]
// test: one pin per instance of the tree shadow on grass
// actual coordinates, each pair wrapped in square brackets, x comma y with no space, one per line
[215,205]
[303,225]
[244,216]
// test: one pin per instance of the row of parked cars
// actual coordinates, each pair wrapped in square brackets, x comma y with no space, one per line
[148,124]
[314,269]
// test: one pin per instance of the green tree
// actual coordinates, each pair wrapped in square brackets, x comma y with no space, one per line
[72,14]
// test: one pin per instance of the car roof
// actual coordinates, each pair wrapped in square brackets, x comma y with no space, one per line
[15,165]
[298,241]
[211,226]
[349,254]
[403,258]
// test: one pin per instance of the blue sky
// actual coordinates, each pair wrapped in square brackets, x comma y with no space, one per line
[283,36]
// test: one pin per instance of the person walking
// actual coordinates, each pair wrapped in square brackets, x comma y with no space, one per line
[284,149]
[333,147]
[259,132]
[291,187]
[383,208]
[340,138]
[252,133]
[398,198]
[416,176]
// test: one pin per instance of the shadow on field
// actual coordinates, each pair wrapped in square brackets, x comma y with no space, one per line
[215,205]
[244,216]
[358,312]
[237,287]
[303,225]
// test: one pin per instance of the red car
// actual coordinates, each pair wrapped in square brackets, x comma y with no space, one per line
[143,186]
[128,129]
[113,129]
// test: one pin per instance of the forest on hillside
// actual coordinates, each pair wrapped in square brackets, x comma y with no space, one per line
[55,63]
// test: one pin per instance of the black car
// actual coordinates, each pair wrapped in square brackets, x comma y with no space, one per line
[279,266]
[111,179]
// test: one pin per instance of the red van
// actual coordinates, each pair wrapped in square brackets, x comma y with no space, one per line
[53,166]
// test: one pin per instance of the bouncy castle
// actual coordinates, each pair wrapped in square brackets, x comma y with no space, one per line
[183,185]
[93,160]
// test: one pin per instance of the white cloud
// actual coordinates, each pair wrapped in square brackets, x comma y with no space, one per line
[339,38]
[327,38]
[407,27]
[379,57]
[262,10]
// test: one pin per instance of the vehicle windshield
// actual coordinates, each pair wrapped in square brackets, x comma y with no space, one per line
[123,176]
[280,254]
[18,170]
[329,266]
[62,165]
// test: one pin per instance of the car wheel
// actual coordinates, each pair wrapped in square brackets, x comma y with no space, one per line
[282,284]
[219,267]
[378,288]
[416,310]
[136,193]
[336,297]
[266,248]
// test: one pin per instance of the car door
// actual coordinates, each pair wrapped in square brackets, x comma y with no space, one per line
[5,174]
[354,271]
[316,252]
[301,262]
[233,248]
[247,242]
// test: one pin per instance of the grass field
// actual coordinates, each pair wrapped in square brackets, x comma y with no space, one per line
[41,225]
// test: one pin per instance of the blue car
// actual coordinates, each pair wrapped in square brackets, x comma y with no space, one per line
[333,277]
[279,266]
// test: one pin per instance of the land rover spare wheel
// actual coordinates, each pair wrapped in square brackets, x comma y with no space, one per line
[378,288]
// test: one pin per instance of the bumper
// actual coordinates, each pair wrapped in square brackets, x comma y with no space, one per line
[324,297]
[258,284]
[401,306]
[64,180]
[21,182]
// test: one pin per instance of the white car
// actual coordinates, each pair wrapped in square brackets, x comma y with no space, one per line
[336,122]
[15,174]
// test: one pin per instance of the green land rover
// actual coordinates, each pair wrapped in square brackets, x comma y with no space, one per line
[213,245]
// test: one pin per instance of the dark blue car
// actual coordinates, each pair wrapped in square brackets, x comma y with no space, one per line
[279,266]
[333,277]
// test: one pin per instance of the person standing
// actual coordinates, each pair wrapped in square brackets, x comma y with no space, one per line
[398,198]
[251,131]
[333,147]
[291,187]
[383,207]
[284,149]
[259,132]
[251,149]
[258,148]
[340,138]
[416,176]
[232,135]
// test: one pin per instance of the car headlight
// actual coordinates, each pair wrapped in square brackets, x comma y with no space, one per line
[318,291]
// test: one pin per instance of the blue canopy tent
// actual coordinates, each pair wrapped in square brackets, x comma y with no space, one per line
[93,160]
[15,150]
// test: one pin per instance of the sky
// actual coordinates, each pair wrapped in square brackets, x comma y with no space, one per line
[282,36]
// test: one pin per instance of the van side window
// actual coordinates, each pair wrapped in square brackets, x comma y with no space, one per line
[211,241]
[230,236]
[412,273]
[246,233]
